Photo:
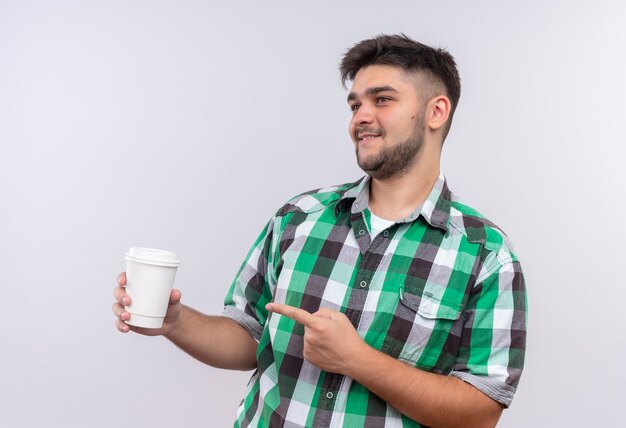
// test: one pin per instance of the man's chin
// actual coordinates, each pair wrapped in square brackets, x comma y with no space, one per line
[374,172]
[370,169]
[368,164]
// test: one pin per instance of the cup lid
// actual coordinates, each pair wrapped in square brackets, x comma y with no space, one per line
[153,256]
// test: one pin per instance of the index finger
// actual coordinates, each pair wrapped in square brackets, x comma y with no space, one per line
[298,315]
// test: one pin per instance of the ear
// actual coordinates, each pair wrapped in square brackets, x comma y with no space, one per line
[438,112]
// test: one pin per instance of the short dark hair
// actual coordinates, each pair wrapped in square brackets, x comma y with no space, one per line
[403,52]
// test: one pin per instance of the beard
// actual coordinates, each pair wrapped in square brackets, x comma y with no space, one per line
[394,161]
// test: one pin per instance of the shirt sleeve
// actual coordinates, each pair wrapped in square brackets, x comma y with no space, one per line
[493,342]
[253,285]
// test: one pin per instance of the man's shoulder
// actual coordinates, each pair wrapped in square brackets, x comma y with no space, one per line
[476,227]
[316,200]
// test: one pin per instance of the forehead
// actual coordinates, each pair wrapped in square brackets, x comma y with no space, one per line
[378,76]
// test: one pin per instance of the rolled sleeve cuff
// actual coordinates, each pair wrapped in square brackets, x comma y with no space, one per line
[492,388]
[246,321]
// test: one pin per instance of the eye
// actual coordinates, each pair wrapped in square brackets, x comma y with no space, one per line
[354,107]
[382,99]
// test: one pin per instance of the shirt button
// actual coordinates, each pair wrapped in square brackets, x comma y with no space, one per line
[363,284]
[386,233]
[361,232]
[329,395]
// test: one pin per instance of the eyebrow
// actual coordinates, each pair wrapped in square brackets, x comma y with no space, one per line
[372,91]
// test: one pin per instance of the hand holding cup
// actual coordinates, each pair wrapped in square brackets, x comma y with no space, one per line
[146,302]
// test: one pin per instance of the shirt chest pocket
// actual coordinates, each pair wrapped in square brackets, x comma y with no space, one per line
[425,327]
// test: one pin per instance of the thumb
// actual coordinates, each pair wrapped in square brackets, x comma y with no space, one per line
[175,297]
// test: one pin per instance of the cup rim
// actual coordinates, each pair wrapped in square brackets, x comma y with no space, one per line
[172,260]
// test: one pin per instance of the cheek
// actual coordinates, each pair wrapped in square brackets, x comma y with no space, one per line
[404,127]
[351,129]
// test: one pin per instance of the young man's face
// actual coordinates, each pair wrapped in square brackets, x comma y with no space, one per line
[387,125]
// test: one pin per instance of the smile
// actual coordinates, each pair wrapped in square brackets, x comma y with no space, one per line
[366,137]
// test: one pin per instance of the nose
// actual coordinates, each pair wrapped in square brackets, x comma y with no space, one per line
[363,115]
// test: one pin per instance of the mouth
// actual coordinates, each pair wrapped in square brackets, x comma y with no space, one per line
[366,136]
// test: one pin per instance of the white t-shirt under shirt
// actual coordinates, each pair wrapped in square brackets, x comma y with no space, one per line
[378,224]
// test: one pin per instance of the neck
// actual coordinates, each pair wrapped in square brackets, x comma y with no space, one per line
[397,197]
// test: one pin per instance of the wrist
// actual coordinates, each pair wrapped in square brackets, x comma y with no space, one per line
[171,328]
[361,362]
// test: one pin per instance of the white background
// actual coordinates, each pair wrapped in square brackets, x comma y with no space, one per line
[184,125]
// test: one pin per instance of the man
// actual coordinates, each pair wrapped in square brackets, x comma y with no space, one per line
[384,302]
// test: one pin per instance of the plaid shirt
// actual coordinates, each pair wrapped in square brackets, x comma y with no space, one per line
[440,290]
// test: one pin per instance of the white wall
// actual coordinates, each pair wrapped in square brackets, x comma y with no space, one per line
[183,125]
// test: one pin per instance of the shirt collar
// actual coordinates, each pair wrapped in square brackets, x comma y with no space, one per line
[435,209]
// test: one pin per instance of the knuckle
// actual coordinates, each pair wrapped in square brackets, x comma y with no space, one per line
[118,293]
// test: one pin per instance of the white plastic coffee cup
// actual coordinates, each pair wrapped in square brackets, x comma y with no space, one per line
[150,277]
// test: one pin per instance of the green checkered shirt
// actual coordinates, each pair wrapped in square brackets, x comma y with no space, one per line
[440,290]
